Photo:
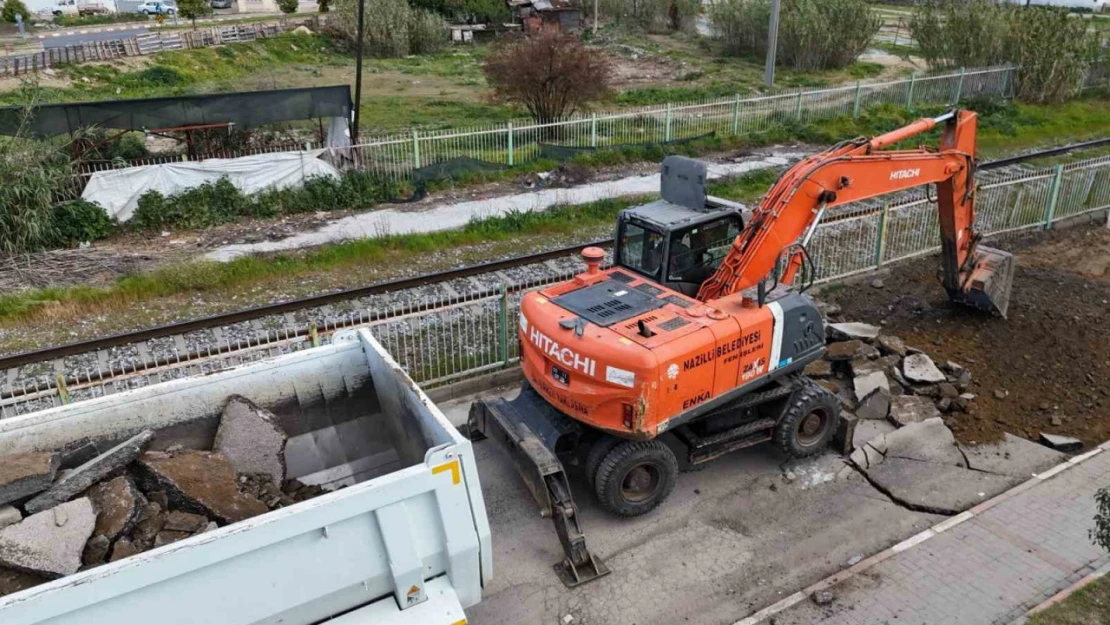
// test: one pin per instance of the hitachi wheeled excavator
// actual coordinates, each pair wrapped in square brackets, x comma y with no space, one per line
[693,343]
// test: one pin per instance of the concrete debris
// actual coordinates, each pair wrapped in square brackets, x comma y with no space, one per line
[118,503]
[90,473]
[123,548]
[159,497]
[927,441]
[1065,444]
[77,453]
[936,488]
[907,409]
[947,390]
[198,482]
[855,559]
[165,538]
[920,368]
[12,581]
[877,284]
[150,522]
[49,543]
[876,405]
[847,331]
[828,310]
[818,369]
[844,350]
[9,515]
[1056,420]
[891,345]
[23,475]
[845,433]
[870,430]
[868,383]
[1012,456]
[96,550]
[822,597]
[1001,393]
[185,522]
[262,487]
[251,439]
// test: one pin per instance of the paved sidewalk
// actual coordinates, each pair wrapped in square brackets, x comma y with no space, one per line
[987,566]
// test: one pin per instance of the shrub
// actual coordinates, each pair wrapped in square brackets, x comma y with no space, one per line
[288,6]
[219,202]
[653,15]
[80,221]
[192,9]
[1100,535]
[1052,52]
[813,34]
[551,74]
[468,11]
[13,8]
[392,28]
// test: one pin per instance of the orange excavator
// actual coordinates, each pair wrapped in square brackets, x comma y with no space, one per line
[693,344]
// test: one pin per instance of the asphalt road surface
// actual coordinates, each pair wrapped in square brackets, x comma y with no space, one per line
[69,40]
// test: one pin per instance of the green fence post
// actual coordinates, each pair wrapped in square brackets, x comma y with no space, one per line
[859,93]
[593,130]
[667,128]
[415,150]
[509,129]
[313,335]
[1006,82]
[880,244]
[959,88]
[798,107]
[909,91]
[736,116]
[1053,196]
[505,324]
[63,392]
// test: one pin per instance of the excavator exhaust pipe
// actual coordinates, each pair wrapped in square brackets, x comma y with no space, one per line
[988,281]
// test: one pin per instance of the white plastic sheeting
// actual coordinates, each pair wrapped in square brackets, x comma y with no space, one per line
[118,191]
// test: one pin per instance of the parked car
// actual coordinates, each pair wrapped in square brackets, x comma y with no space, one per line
[221,4]
[156,7]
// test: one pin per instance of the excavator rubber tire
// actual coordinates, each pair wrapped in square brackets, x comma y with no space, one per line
[809,400]
[598,450]
[635,477]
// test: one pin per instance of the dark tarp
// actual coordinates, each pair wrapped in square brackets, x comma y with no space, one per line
[248,109]
[567,152]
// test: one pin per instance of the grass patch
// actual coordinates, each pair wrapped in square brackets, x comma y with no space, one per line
[90,20]
[1087,606]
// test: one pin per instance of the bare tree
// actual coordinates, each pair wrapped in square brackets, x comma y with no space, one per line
[551,73]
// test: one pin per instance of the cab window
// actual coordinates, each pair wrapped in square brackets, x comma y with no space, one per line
[697,252]
[641,249]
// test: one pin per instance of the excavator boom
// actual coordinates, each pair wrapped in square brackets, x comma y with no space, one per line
[858,170]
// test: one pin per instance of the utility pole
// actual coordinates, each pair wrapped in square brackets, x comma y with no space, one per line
[772,42]
[358,72]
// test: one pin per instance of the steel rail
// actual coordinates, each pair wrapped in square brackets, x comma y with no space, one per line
[81,347]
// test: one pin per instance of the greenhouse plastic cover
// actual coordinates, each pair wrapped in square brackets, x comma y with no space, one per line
[118,191]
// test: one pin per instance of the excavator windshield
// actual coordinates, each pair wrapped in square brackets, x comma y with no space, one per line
[641,249]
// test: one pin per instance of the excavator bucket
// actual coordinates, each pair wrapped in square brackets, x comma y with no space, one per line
[988,282]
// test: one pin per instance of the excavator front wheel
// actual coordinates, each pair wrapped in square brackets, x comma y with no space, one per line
[635,477]
[809,423]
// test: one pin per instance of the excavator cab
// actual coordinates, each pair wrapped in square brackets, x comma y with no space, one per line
[680,239]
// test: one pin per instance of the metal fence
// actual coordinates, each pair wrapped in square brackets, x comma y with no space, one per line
[398,155]
[462,336]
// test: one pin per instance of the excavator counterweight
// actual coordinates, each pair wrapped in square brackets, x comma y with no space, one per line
[694,343]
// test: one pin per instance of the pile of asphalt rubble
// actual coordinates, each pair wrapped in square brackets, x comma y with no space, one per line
[895,403]
[80,507]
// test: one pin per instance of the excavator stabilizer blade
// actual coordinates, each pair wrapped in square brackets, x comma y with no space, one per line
[988,284]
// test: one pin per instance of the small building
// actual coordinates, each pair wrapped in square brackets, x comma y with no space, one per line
[532,14]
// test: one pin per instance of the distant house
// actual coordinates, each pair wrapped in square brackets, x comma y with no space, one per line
[533,14]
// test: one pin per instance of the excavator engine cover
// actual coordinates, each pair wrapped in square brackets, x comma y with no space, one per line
[989,279]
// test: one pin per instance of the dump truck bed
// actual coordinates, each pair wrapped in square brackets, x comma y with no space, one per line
[406,540]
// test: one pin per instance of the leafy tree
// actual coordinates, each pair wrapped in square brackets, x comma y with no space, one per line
[324,5]
[288,6]
[1100,535]
[192,9]
[552,74]
[13,8]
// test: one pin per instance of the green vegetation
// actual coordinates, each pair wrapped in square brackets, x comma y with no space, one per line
[192,9]
[92,20]
[813,34]
[215,203]
[468,11]
[1087,606]
[653,16]
[393,27]
[13,8]
[1051,49]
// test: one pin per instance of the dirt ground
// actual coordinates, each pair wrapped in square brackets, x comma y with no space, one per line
[1044,369]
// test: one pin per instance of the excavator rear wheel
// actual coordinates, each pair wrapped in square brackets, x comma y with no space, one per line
[598,450]
[635,477]
[809,423]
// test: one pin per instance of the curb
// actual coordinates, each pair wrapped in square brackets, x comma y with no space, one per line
[1063,594]
[925,535]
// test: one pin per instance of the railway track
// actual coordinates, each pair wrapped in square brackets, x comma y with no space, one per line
[187,348]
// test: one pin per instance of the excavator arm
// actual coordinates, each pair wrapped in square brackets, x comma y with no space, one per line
[858,170]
